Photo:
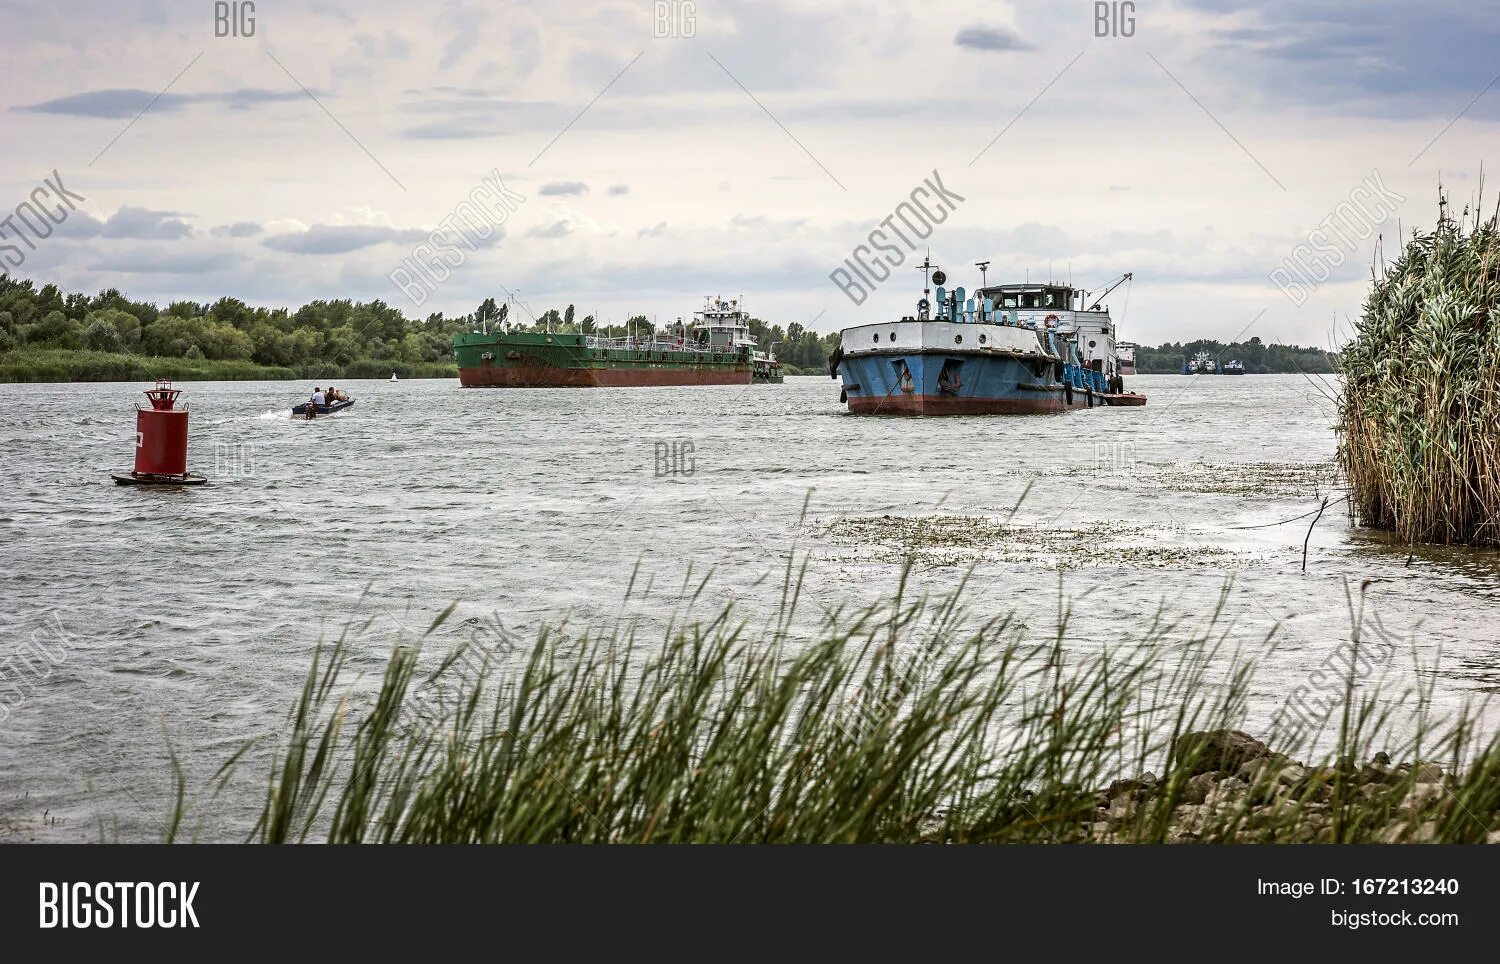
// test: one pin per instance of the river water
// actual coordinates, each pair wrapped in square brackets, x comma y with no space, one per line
[187,617]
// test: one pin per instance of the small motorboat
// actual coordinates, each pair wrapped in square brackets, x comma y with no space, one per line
[309,410]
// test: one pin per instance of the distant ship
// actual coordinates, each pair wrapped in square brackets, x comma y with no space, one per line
[1010,349]
[1201,364]
[1125,352]
[1232,367]
[716,348]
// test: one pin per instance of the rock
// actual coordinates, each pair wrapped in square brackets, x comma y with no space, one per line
[1425,832]
[1252,769]
[1421,772]
[1189,819]
[1121,810]
[1423,796]
[1146,781]
[1225,792]
[1381,759]
[1292,775]
[1318,784]
[1197,788]
[1379,773]
[1217,750]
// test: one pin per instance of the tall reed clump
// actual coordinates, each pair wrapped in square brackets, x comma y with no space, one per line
[1419,417]
[908,721]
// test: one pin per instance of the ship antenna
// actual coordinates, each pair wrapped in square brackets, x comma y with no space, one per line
[925,267]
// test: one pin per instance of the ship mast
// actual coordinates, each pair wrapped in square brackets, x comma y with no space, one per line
[925,303]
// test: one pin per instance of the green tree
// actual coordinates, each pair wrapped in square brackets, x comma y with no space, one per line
[100,333]
[56,330]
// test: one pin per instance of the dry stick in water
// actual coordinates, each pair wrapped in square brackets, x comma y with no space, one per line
[1308,537]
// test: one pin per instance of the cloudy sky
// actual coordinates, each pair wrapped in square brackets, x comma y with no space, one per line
[308,160]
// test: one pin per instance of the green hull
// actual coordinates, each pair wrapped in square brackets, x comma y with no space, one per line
[539,360]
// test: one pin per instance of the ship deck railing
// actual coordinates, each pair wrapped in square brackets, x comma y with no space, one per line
[639,344]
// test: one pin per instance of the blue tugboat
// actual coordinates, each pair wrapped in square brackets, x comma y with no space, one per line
[1009,349]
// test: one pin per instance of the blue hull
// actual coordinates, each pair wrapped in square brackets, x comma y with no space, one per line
[942,383]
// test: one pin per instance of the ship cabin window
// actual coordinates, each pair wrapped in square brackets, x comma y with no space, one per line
[1009,301]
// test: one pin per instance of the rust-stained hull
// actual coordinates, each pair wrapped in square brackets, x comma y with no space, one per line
[902,403]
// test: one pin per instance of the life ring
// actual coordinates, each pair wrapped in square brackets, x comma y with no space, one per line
[1051,320]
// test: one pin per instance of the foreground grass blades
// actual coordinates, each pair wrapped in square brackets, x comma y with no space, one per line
[906,722]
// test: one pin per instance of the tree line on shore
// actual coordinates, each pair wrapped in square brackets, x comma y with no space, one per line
[1258,357]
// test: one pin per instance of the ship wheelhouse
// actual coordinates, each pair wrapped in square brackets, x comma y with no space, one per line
[1059,307]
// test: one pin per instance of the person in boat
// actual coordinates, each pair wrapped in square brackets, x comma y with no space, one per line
[334,395]
[318,397]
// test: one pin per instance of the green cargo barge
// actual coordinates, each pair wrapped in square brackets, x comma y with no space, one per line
[717,348]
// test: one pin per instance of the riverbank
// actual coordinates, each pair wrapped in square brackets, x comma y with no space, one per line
[61,365]
[904,722]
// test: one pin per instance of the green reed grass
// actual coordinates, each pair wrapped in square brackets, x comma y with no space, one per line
[1419,415]
[908,721]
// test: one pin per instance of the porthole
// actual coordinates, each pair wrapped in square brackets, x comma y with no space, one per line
[1093,344]
[893,336]
[983,338]
[877,336]
[958,339]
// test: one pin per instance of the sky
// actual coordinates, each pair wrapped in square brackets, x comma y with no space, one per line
[655,153]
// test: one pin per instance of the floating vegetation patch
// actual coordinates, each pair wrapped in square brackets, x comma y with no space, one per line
[1278,479]
[958,540]
[1289,479]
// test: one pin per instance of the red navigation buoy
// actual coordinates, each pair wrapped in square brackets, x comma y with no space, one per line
[161,437]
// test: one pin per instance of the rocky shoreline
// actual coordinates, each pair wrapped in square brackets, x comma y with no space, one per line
[1229,786]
